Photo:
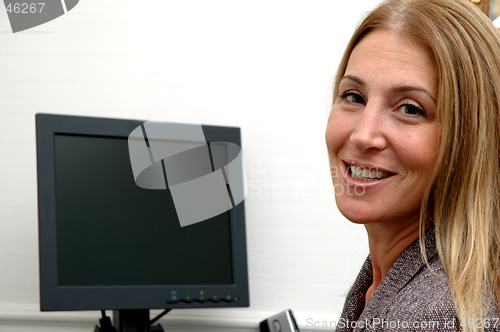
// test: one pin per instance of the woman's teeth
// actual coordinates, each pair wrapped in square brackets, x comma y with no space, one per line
[365,174]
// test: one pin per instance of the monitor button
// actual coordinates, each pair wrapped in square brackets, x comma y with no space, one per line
[173,299]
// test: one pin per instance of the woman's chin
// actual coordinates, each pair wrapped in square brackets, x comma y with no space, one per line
[357,213]
[359,217]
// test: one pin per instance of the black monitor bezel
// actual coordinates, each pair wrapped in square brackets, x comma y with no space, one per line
[57,298]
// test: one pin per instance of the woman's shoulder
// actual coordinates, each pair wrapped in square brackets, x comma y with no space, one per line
[426,303]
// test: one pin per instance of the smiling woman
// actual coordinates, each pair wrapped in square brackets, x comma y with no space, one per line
[413,139]
[385,107]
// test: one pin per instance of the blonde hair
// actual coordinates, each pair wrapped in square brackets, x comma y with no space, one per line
[463,196]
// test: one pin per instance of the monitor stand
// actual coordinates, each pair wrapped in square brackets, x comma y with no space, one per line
[129,321]
[134,321]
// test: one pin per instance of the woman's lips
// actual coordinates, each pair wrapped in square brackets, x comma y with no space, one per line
[366,173]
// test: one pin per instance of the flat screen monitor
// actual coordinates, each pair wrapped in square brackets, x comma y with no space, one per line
[119,230]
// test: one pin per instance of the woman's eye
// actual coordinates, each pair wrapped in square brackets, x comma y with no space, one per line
[412,109]
[353,98]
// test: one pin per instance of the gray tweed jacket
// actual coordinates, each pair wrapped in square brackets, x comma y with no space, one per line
[410,297]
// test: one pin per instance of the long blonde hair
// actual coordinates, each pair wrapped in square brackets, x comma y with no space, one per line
[463,197]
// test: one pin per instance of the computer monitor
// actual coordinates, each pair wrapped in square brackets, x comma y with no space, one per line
[111,240]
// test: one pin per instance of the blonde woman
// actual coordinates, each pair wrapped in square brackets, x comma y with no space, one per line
[413,139]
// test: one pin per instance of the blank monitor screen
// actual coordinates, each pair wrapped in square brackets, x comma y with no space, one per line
[123,234]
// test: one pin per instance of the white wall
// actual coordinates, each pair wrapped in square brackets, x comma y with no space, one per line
[265,66]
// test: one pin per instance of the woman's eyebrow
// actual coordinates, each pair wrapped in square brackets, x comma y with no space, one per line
[355,79]
[406,88]
[396,89]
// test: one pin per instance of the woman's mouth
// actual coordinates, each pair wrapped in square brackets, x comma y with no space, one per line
[366,174]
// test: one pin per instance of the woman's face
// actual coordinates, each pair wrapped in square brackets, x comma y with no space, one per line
[382,133]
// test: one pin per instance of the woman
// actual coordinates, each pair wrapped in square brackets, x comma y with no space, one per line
[414,139]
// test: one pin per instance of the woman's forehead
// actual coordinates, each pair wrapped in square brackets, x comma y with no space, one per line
[389,58]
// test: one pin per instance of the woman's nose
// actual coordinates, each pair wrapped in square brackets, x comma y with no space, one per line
[368,130]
